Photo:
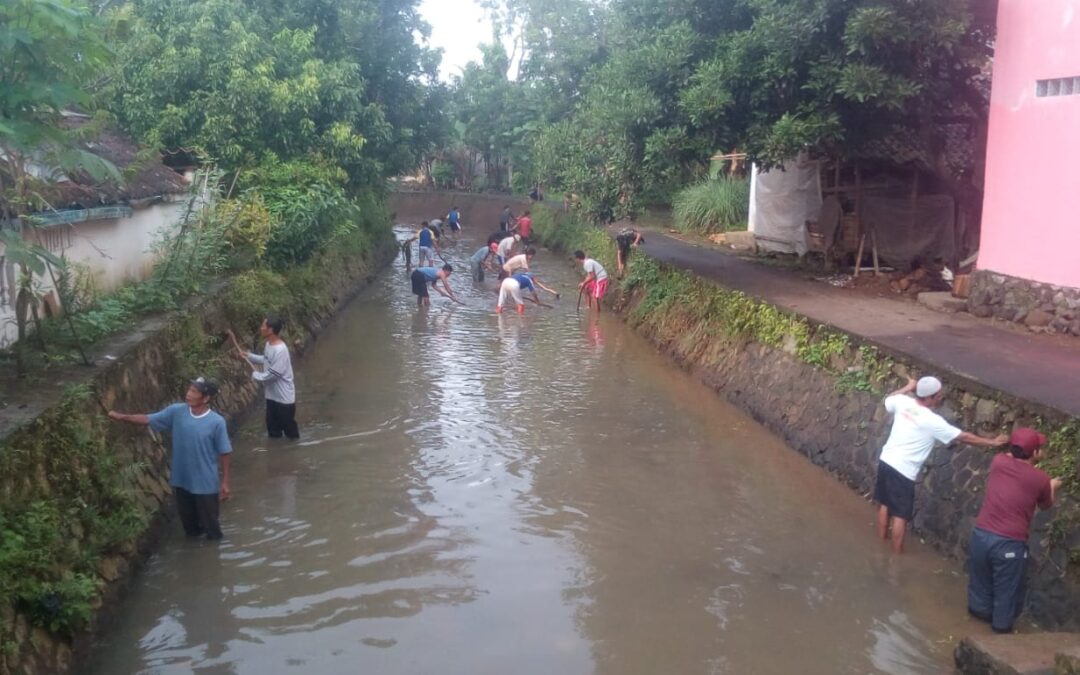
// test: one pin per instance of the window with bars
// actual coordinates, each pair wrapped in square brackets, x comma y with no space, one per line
[1058,86]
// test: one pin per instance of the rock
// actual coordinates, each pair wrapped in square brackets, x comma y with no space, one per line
[984,411]
[1060,325]
[1067,661]
[1026,654]
[981,311]
[1059,299]
[997,279]
[1038,318]
[111,568]
[942,301]
[1074,327]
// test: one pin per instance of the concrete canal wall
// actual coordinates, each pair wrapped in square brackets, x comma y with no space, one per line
[83,499]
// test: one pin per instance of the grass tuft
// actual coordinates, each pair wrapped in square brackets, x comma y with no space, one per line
[720,205]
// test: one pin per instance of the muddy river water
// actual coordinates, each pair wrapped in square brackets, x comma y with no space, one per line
[540,494]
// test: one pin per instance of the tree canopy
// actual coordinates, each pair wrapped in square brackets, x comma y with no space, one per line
[631,97]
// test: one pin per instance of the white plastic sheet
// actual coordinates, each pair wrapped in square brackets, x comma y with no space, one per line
[781,201]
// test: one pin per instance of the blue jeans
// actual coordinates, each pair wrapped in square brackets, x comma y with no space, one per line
[996,586]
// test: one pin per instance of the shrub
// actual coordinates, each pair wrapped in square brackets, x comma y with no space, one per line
[713,206]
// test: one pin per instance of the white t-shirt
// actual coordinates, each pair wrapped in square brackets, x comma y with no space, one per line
[505,247]
[518,262]
[596,268]
[276,374]
[914,430]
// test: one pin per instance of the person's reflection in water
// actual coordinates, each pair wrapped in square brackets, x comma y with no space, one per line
[205,611]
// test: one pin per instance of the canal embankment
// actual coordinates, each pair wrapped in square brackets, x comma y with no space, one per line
[820,387]
[83,500]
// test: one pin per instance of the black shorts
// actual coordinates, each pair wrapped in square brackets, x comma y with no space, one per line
[419,284]
[455,226]
[895,491]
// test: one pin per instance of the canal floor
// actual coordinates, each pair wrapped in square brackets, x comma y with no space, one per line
[530,494]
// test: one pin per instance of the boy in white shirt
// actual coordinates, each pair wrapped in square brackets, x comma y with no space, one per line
[915,429]
[596,280]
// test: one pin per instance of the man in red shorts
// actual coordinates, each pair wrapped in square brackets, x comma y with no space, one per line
[596,279]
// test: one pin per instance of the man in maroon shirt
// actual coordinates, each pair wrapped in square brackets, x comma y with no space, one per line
[998,550]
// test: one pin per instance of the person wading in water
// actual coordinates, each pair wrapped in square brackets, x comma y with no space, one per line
[915,428]
[422,276]
[998,551]
[276,377]
[200,447]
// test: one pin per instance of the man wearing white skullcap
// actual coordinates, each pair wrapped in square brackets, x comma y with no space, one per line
[915,429]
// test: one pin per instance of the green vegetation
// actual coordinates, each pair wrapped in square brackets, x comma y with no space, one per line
[68,501]
[622,103]
[715,205]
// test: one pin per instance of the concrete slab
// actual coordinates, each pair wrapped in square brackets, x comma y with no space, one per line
[1024,654]
[942,301]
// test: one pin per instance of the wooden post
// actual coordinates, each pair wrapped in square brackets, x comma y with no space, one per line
[858,217]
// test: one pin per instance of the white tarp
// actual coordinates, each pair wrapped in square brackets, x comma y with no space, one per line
[781,201]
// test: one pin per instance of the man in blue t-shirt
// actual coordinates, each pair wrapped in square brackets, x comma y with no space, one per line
[454,220]
[422,276]
[428,244]
[200,446]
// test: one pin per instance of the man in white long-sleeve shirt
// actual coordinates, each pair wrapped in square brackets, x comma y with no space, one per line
[273,368]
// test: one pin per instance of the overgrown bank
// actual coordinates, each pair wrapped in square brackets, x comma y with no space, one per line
[820,389]
[79,497]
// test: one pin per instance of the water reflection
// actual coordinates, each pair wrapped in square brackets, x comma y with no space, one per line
[481,493]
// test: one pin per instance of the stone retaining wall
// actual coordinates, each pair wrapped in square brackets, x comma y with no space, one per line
[1036,305]
[147,375]
[820,389]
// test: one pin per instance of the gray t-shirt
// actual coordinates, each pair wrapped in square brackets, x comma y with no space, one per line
[276,374]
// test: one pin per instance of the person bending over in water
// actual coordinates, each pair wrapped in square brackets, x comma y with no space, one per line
[422,276]
[513,286]
[479,261]
[519,263]
[506,248]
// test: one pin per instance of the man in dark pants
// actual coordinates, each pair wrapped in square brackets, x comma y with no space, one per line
[276,376]
[998,551]
[915,429]
[200,446]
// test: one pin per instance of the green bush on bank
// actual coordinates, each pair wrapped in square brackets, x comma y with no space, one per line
[68,498]
[715,205]
[283,215]
[67,502]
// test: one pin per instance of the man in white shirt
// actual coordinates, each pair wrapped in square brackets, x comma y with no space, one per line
[519,263]
[916,427]
[276,376]
[506,248]
[596,280]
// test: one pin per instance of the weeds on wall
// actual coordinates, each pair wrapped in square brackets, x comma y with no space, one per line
[67,502]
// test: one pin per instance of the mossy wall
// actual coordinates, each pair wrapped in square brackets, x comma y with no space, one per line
[81,497]
[821,390]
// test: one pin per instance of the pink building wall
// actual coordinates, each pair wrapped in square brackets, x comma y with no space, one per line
[1031,207]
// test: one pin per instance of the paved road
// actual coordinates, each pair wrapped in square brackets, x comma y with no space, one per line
[1042,369]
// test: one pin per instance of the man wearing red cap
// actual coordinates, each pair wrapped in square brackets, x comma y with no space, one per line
[998,549]
[916,427]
